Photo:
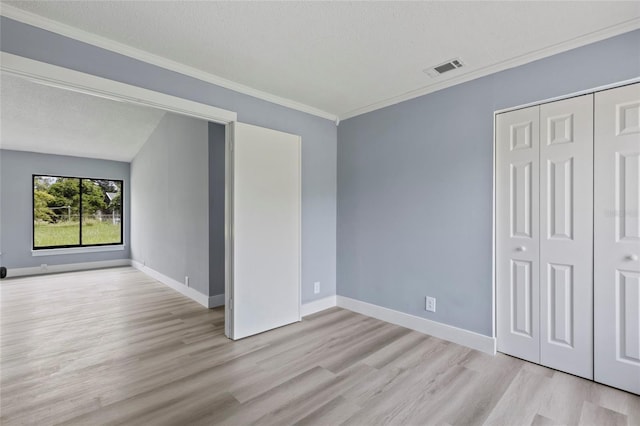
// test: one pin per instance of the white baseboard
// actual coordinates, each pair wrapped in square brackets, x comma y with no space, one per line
[317,305]
[442,331]
[176,285]
[216,300]
[447,332]
[69,267]
[209,302]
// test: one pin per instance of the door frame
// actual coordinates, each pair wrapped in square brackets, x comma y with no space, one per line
[494,295]
[228,229]
[68,79]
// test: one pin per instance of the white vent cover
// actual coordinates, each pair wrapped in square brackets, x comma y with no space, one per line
[444,67]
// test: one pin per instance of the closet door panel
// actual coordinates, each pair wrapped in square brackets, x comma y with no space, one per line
[617,238]
[517,240]
[566,235]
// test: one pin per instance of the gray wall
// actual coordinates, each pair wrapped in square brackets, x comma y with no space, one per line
[170,202]
[319,136]
[216,208]
[16,217]
[415,185]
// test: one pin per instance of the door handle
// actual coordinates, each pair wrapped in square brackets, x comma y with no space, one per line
[632,257]
[521,248]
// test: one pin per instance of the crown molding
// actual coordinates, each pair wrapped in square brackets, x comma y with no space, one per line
[29,18]
[47,24]
[583,40]
[65,78]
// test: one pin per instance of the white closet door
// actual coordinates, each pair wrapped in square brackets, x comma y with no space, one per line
[566,235]
[617,238]
[517,226]
[264,203]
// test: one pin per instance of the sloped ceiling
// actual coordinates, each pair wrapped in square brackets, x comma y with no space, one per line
[39,118]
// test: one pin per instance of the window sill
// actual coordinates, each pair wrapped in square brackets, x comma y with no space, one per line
[76,250]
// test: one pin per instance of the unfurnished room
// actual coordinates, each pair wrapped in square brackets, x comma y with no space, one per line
[320,213]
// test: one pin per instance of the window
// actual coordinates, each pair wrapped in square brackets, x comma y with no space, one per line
[76,212]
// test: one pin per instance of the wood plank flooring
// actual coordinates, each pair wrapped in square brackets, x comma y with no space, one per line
[116,347]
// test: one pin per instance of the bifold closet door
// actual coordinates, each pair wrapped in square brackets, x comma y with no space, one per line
[263,214]
[566,235]
[617,237]
[517,228]
[544,253]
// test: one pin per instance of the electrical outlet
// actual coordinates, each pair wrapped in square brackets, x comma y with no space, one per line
[430,304]
[186,281]
[316,287]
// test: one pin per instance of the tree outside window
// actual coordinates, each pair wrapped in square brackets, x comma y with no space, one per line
[76,212]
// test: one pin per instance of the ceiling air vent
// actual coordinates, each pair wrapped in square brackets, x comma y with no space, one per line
[443,68]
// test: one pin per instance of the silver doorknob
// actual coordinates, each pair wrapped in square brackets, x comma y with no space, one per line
[521,248]
[633,257]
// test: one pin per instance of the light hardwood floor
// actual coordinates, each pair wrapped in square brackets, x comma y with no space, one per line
[116,347]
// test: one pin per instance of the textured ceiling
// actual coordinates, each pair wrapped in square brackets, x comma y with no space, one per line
[340,57]
[39,118]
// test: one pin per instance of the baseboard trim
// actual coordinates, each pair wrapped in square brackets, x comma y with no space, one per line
[68,267]
[216,300]
[170,282]
[442,331]
[206,301]
[317,305]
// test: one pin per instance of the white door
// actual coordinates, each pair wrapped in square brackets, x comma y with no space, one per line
[517,239]
[263,241]
[566,235]
[617,238]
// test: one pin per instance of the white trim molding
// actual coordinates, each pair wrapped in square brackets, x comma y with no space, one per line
[29,18]
[76,250]
[612,31]
[206,301]
[65,78]
[181,288]
[35,20]
[69,267]
[216,300]
[567,96]
[317,305]
[442,331]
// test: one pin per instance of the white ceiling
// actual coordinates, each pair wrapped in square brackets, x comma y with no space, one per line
[39,118]
[344,58]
